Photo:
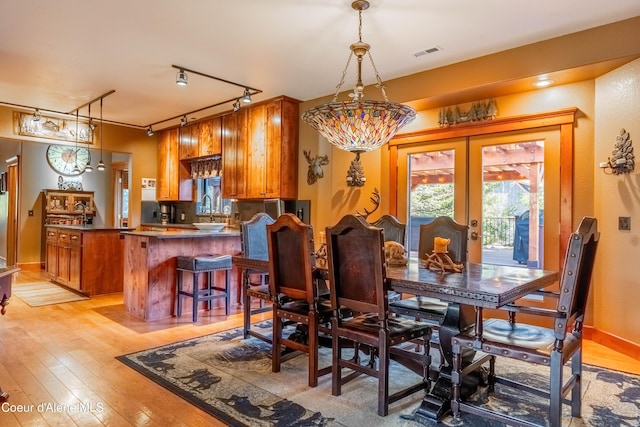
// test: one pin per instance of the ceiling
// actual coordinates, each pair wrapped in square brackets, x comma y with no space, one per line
[58,56]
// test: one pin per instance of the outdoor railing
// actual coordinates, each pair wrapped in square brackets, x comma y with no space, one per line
[498,231]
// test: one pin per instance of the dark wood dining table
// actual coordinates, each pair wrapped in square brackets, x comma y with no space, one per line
[477,287]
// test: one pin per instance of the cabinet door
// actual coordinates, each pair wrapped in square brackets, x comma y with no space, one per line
[273,172]
[167,156]
[51,254]
[62,273]
[257,152]
[234,141]
[75,260]
[189,136]
[210,140]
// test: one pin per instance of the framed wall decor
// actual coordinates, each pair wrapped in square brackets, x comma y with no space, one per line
[3,182]
[62,129]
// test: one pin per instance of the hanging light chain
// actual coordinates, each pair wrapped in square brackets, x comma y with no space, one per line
[344,74]
[380,84]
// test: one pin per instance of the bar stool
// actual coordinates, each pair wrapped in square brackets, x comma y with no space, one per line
[203,264]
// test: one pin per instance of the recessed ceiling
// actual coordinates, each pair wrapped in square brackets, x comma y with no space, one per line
[60,55]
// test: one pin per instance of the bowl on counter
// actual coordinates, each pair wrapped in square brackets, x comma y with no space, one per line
[210,226]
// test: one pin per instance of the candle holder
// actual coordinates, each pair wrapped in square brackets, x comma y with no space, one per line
[439,258]
[623,160]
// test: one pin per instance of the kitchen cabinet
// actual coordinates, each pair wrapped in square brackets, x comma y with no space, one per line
[234,146]
[174,179]
[260,151]
[210,137]
[188,145]
[68,206]
[272,150]
[89,260]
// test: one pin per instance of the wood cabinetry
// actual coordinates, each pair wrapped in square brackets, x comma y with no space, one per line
[188,145]
[174,181]
[68,206]
[272,151]
[234,146]
[260,151]
[90,261]
[210,137]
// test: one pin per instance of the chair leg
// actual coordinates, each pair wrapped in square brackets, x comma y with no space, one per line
[178,293]
[195,297]
[275,346]
[555,390]
[227,289]
[456,382]
[383,377]
[312,349]
[336,355]
[576,392]
[247,304]
[210,278]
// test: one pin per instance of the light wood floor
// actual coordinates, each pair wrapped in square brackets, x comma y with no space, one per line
[65,355]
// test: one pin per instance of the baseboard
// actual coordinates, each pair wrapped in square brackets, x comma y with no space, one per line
[33,267]
[621,345]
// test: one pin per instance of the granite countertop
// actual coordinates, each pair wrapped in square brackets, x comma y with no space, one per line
[186,226]
[184,234]
[90,227]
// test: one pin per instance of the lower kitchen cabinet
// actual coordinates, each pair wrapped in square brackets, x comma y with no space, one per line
[89,260]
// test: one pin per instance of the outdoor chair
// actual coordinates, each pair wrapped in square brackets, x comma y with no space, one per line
[552,347]
[357,275]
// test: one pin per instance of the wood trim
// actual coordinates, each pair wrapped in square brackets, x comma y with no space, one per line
[393,179]
[507,124]
[611,341]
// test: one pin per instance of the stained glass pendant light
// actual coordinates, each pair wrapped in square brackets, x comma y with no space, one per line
[359,125]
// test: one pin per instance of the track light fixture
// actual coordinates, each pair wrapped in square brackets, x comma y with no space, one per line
[181,78]
[246,97]
[92,126]
[183,120]
[236,105]
[100,166]
[149,131]
[36,115]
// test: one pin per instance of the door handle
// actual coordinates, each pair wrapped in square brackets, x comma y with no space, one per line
[474,235]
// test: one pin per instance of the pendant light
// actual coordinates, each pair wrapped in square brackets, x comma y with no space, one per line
[76,169]
[359,125]
[100,166]
[88,167]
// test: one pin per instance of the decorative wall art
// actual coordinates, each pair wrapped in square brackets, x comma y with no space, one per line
[316,162]
[69,183]
[623,159]
[3,182]
[477,111]
[51,128]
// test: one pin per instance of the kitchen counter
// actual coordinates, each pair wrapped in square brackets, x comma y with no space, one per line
[150,268]
[89,227]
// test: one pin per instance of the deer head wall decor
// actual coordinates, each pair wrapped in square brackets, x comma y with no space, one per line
[315,166]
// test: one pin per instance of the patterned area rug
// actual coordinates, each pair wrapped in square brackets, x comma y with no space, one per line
[231,379]
[37,294]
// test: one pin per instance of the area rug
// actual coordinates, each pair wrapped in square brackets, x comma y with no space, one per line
[37,294]
[231,379]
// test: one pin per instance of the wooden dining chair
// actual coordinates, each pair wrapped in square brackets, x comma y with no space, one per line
[357,274]
[553,347]
[254,246]
[291,277]
[394,230]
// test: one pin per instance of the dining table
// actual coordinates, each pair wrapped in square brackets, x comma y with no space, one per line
[478,286]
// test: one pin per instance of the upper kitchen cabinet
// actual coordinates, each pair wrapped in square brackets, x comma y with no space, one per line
[234,146]
[210,137]
[188,146]
[272,151]
[174,181]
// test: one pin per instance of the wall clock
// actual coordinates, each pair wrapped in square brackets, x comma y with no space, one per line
[63,158]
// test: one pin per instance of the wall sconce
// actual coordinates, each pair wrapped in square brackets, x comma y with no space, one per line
[623,160]
[355,174]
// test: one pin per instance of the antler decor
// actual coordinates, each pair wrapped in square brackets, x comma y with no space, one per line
[315,166]
[375,199]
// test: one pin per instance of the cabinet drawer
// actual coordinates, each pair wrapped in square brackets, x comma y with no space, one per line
[63,236]
[75,238]
[52,234]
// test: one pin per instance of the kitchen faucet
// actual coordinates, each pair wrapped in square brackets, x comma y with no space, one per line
[204,205]
[84,211]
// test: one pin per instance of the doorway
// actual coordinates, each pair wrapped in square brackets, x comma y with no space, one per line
[505,186]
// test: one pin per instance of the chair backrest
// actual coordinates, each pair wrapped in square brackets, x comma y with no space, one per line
[254,236]
[445,227]
[355,251]
[291,258]
[576,275]
[394,230]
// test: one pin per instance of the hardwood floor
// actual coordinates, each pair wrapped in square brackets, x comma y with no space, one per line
[65,355]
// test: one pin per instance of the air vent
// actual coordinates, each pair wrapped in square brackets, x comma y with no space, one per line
[428,51]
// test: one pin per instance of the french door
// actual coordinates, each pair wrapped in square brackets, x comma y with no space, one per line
[505,186]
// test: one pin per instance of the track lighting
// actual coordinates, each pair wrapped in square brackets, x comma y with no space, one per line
[149,131]
[246,98]
[100,166]
[236,105]
[181,78]
[183,120]
[36,115]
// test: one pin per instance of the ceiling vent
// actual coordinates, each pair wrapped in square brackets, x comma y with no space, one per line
[427,51]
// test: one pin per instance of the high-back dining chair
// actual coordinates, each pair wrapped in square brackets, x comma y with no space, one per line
[394,230]
[291,277]
[357,273]
[254,245]
[427,309]
[552,347]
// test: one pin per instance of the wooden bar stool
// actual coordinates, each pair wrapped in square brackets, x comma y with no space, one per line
[203,264]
